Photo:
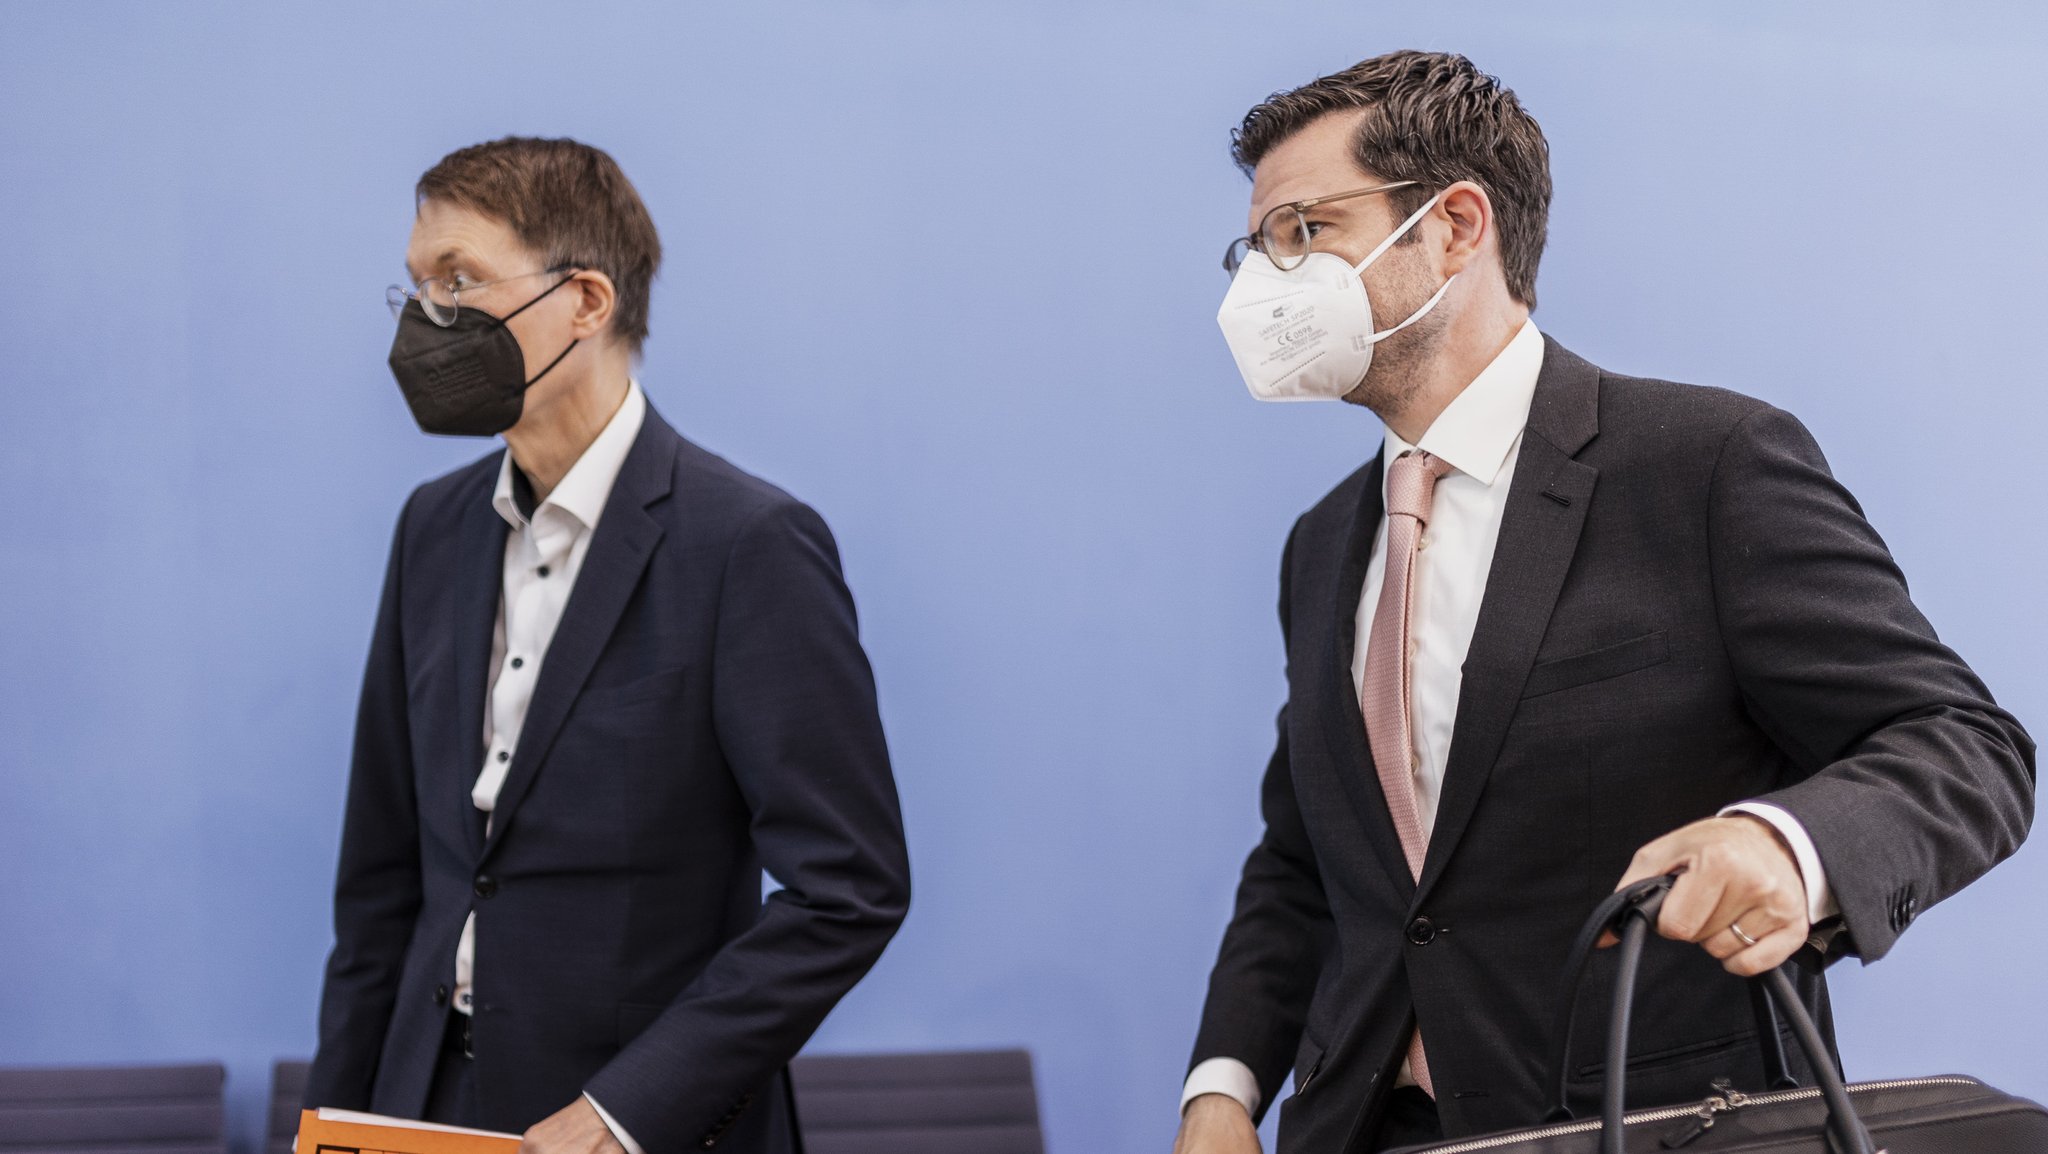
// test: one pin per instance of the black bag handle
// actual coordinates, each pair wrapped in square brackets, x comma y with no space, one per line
[1606,914]
[1777,1074]
[1649,893]
[1630,913]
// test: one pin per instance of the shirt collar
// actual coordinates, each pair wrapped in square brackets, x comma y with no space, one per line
[583,492]
[1480,426]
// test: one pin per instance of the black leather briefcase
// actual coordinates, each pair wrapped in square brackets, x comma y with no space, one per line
[1951,1114]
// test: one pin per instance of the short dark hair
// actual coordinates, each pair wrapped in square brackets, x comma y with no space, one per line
[1434,118]
[565,200]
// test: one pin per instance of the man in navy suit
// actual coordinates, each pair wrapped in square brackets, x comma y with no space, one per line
[613,678]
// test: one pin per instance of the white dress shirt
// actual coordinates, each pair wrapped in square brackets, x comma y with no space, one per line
[543,555]
[1479,434]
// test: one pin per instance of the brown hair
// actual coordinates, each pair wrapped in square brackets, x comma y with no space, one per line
[565,200]
[1433,118]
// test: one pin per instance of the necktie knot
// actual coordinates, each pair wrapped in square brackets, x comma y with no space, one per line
[1411,482]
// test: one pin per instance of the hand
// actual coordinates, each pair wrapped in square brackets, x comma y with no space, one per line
[574,1129]
[1216,1124]
[1733,871]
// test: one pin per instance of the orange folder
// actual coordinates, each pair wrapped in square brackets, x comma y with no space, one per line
[347,1132]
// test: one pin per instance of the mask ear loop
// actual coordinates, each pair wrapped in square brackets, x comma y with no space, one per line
[1388,243]
[572,276]
[1396,235]
[1418,314]
[572,344]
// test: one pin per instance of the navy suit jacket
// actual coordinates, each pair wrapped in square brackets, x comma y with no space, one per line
[704,711]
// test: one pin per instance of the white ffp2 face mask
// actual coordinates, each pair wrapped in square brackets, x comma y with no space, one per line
[1305,333]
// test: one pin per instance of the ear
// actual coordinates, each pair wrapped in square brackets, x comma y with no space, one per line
[595,298]
[1467,212]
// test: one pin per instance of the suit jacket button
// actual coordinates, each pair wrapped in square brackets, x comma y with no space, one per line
[1422,931]
[486,885]
[440,995]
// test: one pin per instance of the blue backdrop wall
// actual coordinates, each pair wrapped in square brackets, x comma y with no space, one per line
[948,271]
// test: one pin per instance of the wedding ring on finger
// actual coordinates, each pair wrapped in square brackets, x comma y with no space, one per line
[1736,929]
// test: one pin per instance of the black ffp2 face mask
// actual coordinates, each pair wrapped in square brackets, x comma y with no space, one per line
[466,380]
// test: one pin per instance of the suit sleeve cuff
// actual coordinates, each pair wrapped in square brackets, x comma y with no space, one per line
[612,1124]
[1226,1076]
[1820,899]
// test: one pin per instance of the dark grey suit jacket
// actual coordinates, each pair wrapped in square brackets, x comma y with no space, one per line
[704,710]
[1684,610]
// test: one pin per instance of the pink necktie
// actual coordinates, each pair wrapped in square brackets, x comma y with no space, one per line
[1385,702]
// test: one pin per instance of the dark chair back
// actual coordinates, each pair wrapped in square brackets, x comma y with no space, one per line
[973,1102]
[113,1110]
[287,1092]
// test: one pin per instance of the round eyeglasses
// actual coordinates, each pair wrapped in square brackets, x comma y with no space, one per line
[441,297]
[1284,232]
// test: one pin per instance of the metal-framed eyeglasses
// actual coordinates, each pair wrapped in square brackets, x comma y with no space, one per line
[441,297]
[1284,234]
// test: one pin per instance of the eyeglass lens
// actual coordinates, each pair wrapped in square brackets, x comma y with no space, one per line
[1283,236]
[437,299]
[440,301]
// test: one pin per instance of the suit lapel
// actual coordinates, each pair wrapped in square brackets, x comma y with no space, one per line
[1348,745]
[619,550]
[479,583]
[1539,534]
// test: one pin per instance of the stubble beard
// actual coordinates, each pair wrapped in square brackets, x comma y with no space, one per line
[1395,376]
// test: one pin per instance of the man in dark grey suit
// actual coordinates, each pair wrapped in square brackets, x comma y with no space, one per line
[1570,629]
[612,679]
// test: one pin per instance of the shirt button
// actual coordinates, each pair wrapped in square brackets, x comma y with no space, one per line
[518,661]
[543,570]
[504,755]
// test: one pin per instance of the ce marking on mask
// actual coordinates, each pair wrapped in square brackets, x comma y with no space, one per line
[1294,333]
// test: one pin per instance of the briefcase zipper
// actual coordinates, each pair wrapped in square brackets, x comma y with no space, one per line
[1674,1113]
[1725,1099]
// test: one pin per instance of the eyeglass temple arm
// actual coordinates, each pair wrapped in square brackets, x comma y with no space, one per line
[1301,205]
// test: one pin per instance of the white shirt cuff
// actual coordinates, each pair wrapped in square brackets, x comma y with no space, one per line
[1226,1076]
[612,1124]
[1820,899]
